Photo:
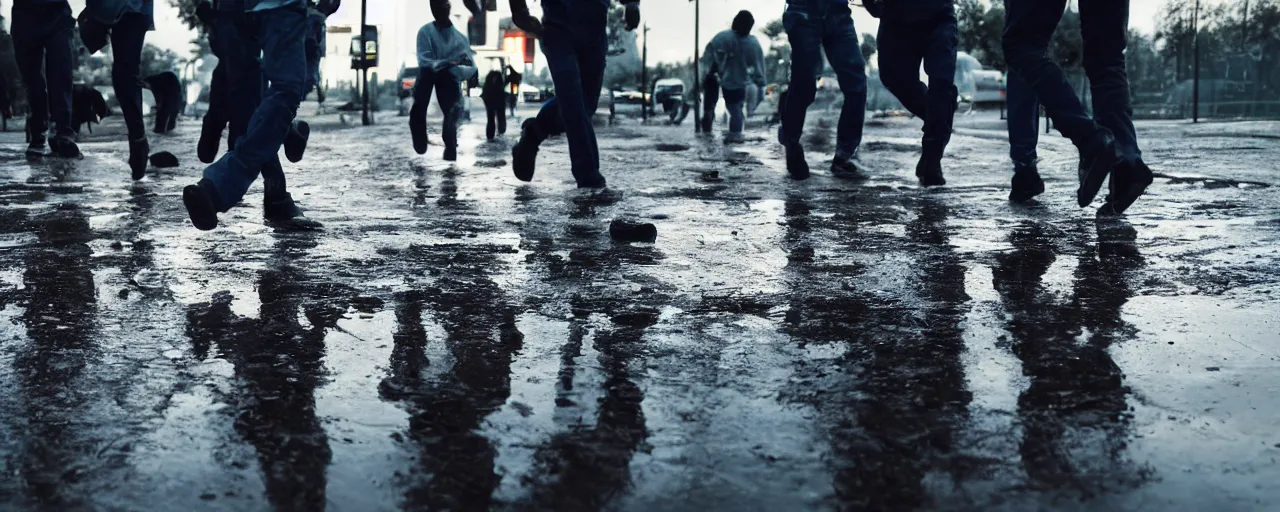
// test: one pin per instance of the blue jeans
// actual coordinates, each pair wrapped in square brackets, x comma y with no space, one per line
[734,100]
[1024,120]
[127,38]
[1029,25]
[902,47]
[42,48]
[448,93]
[281,39]
[813,26]
[574,42]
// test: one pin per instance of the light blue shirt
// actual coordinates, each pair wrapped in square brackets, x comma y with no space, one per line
[438,45]
[738,59]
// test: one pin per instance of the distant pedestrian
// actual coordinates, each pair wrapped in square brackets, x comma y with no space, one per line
[444,62]
[514,79]
[575,42]
[912,32]
[1108,143]
[127,23]
[494,95]
[244,30]
[813,26]
[42,31]
[737,55]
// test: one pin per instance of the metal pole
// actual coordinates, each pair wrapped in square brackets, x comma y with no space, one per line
[364,64]
[645,99]
[1195,59]
[697,71]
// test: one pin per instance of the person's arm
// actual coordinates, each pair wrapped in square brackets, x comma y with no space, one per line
[523,20]
[427,57]
[465,66]
[632,14]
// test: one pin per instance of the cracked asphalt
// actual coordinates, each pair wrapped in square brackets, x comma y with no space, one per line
[457,340]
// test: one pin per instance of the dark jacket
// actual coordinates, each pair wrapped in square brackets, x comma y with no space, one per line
[911,10]
[494,88]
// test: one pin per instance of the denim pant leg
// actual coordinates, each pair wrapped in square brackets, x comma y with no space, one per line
[127,37]
[422,88]
[901,52]
[448,94]
[29,53]
[1029,25]
[575,46]
[734,100]
[804,31]
[840,39]
[243,73]
[940,65]
[1104,27]
[1023,120]
[282,39]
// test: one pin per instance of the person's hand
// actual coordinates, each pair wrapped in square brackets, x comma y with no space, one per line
[526,22]
[633,15]
[874,7]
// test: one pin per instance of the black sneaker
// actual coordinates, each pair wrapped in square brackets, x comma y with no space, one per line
[524,155]
[36,146]
[139,155]
[199,200]
[929,171]
[1026,183]
[64,146]
[849,169]
[797,166]
[419,139]
[1096,161]
[1129,181]
[210,139]
[450,154]
[295,142]
[282,212]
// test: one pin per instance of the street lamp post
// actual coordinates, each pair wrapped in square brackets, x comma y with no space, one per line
[644,76]
[1195,63]
[697,74]
[364,64]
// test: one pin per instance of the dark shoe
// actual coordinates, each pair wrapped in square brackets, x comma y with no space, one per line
[1129,181]
[929,171]
[210,139]
[849,169]
[36,147]
[139,155]
[199,200]
[419,139]
[1026,183]
[797,166]
[1096,161]
[450,154]
[295,142]
[283,212]
[64,146]
[524,155]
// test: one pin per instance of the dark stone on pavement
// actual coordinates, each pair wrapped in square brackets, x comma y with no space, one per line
[164,159]
[628,231]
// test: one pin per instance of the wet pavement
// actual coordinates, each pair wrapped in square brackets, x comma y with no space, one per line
[457,340]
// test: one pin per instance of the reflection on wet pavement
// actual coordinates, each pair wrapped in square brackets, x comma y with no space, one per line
[455,340]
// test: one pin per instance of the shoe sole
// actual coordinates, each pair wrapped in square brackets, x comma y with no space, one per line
[1123,201]
[521,173]
[797,166]
[301,135]
[1099,169]
[1022,197]
[198,208]
[419,142]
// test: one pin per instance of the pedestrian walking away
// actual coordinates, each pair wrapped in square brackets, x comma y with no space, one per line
[276,30]
[738,57]
[494,95]
[1108,143]
[914,32]
[444,62]
[42,48]
[813,26]
[575,42]
[126,23]
[514,79]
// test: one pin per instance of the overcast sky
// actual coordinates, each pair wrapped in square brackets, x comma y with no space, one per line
[670,21]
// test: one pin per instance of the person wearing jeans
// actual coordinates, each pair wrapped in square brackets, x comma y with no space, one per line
[42,47]
[444,62]
[127,22]
[1108,143]
[575,42]
[1023,112]
[813,26]
[735,55]
[911,33]
[278,34]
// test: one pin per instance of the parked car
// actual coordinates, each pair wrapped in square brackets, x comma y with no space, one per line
[532,93]
[989,86]
[408,76]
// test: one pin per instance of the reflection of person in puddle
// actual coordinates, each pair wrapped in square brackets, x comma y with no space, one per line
[279,361]
[1074,412]
[59,315]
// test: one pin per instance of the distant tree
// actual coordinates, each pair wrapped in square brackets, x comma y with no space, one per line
[980,29]
[158,60]
[623,64]
[868,46]
[778,55]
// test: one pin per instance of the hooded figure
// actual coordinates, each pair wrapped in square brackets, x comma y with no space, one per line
[738,60]
[494,95]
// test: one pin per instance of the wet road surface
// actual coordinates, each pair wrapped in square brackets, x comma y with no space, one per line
[457,340]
